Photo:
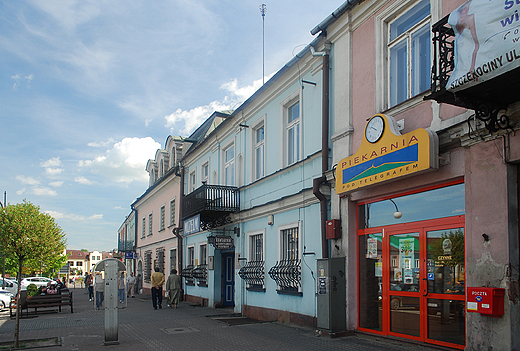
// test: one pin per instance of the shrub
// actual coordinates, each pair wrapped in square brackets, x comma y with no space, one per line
[32,290]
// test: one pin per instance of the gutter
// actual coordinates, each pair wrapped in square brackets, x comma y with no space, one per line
[347,5]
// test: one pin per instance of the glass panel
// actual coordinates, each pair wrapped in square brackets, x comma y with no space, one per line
[403,260]
[446,273]
[398,73]
[421,60]
[259,161]
[405,315]
[260,134]
[294,112]
[230,153]
[447,321]
[410,19]
[436,203]
[370,281]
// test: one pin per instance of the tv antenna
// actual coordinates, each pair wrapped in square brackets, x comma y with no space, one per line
[263,10]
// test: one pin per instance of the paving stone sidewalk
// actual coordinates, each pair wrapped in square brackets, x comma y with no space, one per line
[186,328]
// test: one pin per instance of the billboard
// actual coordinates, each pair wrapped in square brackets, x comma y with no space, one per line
[487,41]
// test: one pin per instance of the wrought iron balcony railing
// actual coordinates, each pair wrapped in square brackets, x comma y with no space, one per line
[125,245]
[201,274]
[254,275]
[211,199]
[187,273]
[443,54]
[288,276]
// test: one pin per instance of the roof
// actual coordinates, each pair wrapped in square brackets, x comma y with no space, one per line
[77,254]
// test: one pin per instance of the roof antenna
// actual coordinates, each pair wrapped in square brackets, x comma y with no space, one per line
[263,10]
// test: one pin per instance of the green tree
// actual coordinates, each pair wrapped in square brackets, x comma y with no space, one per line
[27,234]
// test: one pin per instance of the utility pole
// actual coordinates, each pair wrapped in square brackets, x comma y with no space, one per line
[263,10]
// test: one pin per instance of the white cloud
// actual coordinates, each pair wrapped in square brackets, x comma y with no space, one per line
[83,180]
[52,162]
[43,191]
[101,143]
[20,192]
[17,79]
[73,217]
[52,172]
[125,161]
[56,184]
[27,180]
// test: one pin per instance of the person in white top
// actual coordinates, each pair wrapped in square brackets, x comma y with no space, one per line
[130,280]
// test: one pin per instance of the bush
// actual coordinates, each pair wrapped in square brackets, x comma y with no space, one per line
[32,290]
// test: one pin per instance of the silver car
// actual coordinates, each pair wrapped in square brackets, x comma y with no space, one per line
[38,281]
[10,286]
[5,299]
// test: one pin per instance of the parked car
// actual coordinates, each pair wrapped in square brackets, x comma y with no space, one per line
[5,299]
[10,286]
[38,281]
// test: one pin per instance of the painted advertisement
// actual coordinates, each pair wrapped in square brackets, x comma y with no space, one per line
[487,41]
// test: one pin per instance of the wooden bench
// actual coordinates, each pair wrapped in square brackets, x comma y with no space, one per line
[64,298]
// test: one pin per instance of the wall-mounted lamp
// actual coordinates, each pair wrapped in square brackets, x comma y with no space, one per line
[270,220]
[243,125]
[397,213]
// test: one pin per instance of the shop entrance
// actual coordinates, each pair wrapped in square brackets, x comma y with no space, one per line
[412,280]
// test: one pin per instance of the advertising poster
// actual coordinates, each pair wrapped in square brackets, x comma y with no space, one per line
[406,255]
[487,41]
[371,248]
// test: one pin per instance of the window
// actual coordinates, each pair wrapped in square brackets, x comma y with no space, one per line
[173,259]
[143,232]
[289,244]
[229,165]
[172,212]
[192,181]
[256,247]
[163,214]
[150,224]
[259,151]
[79,264]
[409,53]
[205,172]
[287,271]
[203,251]
[292,136]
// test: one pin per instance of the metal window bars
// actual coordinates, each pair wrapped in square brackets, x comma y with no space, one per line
[187,273]
[443,54]
[254,275]
[288,275]
[147,266]
[201,274]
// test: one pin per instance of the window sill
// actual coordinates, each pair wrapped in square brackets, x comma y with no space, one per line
[293,293]
[190,284]
[255,289]
[204,285]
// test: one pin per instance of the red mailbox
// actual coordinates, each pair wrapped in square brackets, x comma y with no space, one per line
[486,301]
[333,229]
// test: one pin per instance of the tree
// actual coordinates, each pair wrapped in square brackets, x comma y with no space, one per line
[28,234]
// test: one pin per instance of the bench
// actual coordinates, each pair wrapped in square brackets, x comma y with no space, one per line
[64,298]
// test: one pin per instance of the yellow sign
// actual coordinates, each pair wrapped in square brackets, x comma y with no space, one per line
[385,155]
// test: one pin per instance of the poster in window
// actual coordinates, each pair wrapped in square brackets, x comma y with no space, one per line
[371,248]
[406,254]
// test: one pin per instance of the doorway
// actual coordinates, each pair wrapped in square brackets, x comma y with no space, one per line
[228,279]
[412,281]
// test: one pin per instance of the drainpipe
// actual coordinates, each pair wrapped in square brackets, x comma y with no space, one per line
[324,149]
[176,231]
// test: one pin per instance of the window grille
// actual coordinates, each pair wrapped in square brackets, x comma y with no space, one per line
[187,273]
[288,276]
[147,266]
[201,274]
[159,257]
[253,273]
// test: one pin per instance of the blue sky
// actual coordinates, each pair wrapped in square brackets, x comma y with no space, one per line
[91,89]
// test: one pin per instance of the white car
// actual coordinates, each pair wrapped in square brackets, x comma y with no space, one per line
[10,286]
[38,281]
[5,299]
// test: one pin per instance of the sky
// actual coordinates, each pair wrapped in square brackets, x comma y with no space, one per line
[90,90]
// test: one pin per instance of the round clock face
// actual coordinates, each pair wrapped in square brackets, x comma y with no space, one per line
[375,128]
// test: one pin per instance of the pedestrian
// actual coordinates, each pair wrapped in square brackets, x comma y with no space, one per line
[100,290]
[131,282]
[139,284]
[121,287]
[157,283]
[173,288]
[89,283]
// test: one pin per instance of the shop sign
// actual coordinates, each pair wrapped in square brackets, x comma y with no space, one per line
[130,255]
[192,225]
[487,41]
[386,155]
[223,242]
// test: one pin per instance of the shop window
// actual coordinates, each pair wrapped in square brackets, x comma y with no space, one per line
[371,281]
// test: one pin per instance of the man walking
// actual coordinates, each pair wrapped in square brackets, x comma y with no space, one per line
[157,283]
[131,283]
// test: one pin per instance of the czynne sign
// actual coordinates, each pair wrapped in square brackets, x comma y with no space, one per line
[386,155]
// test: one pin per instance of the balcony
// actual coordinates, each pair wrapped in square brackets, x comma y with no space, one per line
[489,98]
[213,203]
[125,245]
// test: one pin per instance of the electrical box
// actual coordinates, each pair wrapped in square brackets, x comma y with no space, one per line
[331,304]
[486,301]
[333,230]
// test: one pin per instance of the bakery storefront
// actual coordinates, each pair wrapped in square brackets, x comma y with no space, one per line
[410,241]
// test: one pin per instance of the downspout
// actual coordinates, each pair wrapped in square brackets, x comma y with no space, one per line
[324,150]
[180,227]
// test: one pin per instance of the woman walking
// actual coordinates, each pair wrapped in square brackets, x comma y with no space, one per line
[173,287]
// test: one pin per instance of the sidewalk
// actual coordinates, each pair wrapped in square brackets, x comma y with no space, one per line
[186,328]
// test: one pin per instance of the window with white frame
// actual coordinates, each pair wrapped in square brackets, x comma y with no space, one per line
[292,124]
[229,165]
[287,271]
[193,181]
[205,172]
[172,212]
[289,243]
[409,52]
[163,219]
[259,150]
[256,246]
[173,259]
[203,254]
[150,217]
[143,231]
[191,256]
